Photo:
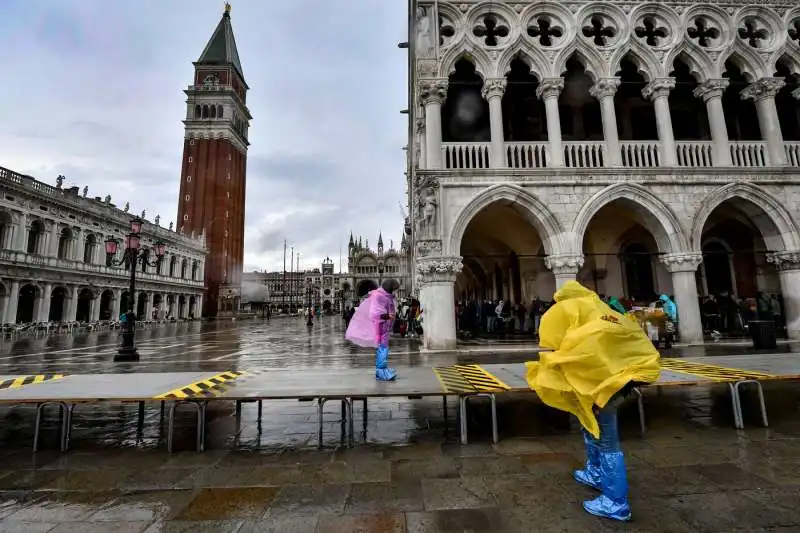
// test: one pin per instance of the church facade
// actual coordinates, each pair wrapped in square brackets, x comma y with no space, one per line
[640,148]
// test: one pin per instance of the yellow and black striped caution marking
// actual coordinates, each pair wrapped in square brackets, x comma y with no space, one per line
[206,388]
[452,380]
[713,372]
[468,378]
[21,381]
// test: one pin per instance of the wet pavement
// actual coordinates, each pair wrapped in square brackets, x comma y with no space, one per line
[691,472]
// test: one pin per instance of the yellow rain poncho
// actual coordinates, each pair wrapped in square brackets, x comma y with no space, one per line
[597,352]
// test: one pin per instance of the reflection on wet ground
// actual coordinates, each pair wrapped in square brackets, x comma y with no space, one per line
[691,472]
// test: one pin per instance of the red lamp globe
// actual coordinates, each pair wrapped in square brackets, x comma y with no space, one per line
[134,241]
[160,248]
[136,225]
[111,246]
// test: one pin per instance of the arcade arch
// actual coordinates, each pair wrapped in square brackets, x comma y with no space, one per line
[29,296]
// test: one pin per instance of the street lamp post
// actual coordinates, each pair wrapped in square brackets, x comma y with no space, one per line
[310,320]
[133,255]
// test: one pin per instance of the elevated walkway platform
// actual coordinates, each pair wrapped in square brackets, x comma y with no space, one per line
[173,389]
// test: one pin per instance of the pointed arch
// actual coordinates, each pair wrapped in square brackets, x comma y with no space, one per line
[658,218]
[534,58]
[589,58]
[777,226]
[700,65]
[644,59]
[476,56]
[538,214]
[749,62]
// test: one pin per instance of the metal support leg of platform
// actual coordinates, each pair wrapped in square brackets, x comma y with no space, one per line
[64,411]
[463,415]
[640,403]
[347,414]
[736,402]
[200,405]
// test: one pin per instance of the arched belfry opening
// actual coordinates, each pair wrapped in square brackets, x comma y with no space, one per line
[579,110]
[636,117]
[465,114]
[524,117]
[788,106]
[741,117]
[689,114]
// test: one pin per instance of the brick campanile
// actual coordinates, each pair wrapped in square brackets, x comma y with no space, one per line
[213,171]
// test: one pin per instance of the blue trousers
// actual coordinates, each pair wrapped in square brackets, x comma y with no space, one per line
[605,467]
[382,372]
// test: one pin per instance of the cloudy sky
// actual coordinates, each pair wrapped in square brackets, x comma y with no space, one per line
[92,89]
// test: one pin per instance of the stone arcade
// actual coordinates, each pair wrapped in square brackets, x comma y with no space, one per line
[53,260]
[637,147]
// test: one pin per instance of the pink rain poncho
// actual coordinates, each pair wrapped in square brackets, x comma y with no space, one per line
[366,328]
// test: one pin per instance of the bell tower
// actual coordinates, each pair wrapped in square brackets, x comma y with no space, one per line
[214,167]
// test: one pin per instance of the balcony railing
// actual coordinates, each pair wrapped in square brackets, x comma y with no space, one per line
[748,153]
[640,154]
[586,154]
[793,153]
[21,258]
[694,153]
[465,155]
[527,155]
[592,154]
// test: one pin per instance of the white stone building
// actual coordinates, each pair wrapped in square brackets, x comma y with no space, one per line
[639,147]
[53,261]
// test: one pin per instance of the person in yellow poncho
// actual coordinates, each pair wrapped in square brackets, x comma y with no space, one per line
[599,356]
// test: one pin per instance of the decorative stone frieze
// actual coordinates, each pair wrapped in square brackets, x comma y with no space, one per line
[763,88]
[439,269]
[564,264]
[433,90]
[785,260]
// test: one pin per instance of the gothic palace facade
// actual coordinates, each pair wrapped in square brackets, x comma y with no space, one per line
[638,147]
[53,259]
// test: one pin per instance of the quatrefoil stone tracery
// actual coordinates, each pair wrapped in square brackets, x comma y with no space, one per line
[599,30]
[753,33]
[651,31]
[703,33]
[545,31]
[491,30]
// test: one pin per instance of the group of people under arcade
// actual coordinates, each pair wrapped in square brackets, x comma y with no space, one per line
[728,314]
[501,317]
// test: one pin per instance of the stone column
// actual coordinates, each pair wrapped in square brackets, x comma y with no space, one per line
[10,315]
[565,267]
[549,90]
[149,306]
[51,242]
[95,308]
[493,89]
[198,306]
[78,244]
[115,312]
[711,93]
[658,91]
[604,90]
[763,92]
[21,229]
[433,93]
[437,298]
[788,266]
[44,305]
[683,267]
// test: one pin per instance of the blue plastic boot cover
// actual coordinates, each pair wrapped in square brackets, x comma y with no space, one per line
[590,474]
[613,503]
[382,373]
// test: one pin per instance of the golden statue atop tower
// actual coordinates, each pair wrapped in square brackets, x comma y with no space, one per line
[227,8]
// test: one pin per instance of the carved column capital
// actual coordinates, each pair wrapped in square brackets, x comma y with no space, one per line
[550,88]
[439,269]
[763,88]
[682,261]
[785,260]
[564,264]
[659,87]
[433,90]
[796,94]
[604,87]
[711,89]
[493,87]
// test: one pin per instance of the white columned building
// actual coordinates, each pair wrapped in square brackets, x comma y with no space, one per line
[640,148]
[53,262]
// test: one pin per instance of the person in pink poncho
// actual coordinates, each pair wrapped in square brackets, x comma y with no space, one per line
[372,324]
